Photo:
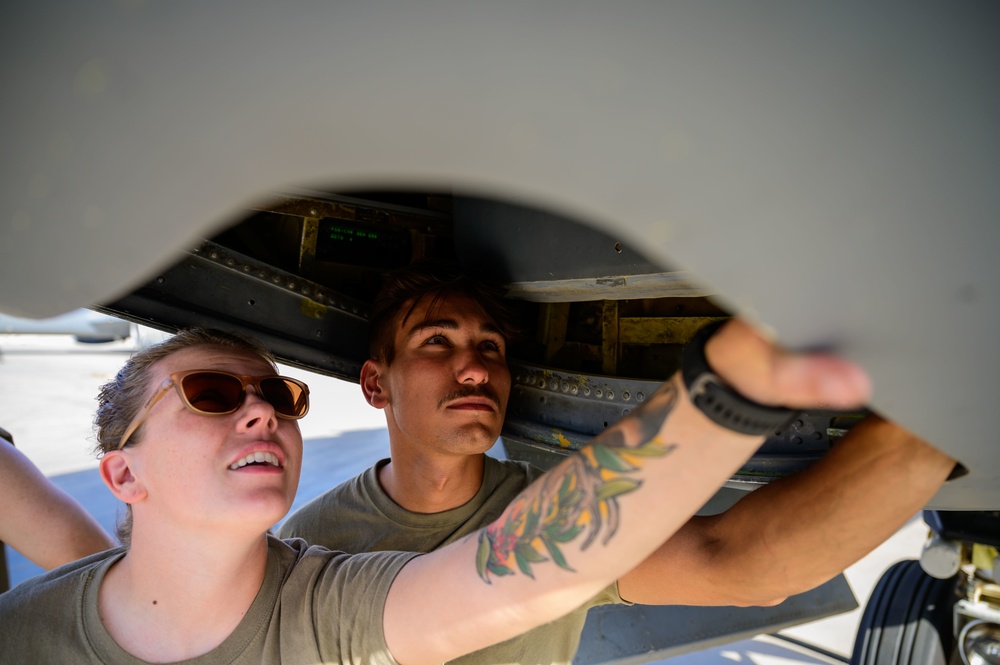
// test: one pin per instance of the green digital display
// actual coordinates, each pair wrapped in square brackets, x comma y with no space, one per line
[354,243]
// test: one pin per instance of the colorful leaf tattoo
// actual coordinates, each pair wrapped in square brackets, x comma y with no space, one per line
[580,496]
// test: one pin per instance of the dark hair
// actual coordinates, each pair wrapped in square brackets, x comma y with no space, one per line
[404,289]
[120,399]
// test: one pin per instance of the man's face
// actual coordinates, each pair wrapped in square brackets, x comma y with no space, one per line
[448,385]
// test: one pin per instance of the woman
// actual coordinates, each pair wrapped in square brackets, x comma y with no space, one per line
[206,462]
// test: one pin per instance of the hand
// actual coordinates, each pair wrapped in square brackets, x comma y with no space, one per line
[768,374]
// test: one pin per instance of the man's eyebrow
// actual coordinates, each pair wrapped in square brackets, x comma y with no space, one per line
[492,328]
[451,324]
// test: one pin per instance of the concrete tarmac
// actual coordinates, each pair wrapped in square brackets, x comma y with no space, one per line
[48,386]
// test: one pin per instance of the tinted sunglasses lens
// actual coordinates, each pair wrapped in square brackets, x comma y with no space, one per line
[288,398]
[211,392]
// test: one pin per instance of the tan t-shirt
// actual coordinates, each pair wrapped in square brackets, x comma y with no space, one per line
[314,606]
[358,516]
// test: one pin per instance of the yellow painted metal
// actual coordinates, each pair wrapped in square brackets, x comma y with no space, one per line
[983,556]
[660,330]
[552,325]
[609,340]
[307,246]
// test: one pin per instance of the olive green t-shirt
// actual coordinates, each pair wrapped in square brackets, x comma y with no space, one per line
[358,516]
[315,606]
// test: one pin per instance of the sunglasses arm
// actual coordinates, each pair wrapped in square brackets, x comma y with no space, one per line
[141,416]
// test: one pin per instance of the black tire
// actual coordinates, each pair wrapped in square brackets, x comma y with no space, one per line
[908,619]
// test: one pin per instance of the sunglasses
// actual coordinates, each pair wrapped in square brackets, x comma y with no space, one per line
[215,393]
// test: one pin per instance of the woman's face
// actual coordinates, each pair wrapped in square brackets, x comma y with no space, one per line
[188,463]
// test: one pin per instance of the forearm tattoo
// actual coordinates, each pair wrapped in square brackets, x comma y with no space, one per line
[579,499]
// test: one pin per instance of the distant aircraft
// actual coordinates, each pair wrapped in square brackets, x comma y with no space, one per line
[84,324]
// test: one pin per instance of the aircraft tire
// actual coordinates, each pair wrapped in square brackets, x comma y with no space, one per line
[908,619]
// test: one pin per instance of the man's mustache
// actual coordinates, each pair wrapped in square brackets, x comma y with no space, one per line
[484,391]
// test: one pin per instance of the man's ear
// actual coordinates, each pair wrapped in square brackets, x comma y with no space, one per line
[372,385]
[117,475]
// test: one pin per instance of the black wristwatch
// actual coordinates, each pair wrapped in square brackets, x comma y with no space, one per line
[721,403]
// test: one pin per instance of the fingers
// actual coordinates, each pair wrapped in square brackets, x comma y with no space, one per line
[767,374]
[819,380]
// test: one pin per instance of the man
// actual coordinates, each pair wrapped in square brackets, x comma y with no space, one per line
[438,370]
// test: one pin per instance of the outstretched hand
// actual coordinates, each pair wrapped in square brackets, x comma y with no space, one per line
[770,375]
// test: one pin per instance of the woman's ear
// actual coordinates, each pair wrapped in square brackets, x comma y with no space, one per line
[117,475]
[372,385]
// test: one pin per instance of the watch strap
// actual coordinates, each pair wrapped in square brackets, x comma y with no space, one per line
[719,401]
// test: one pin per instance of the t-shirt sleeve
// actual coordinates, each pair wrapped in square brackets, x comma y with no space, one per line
[345,597]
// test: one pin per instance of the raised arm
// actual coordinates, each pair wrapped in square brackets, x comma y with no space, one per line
[38,519]
[602,511]
[798,532]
